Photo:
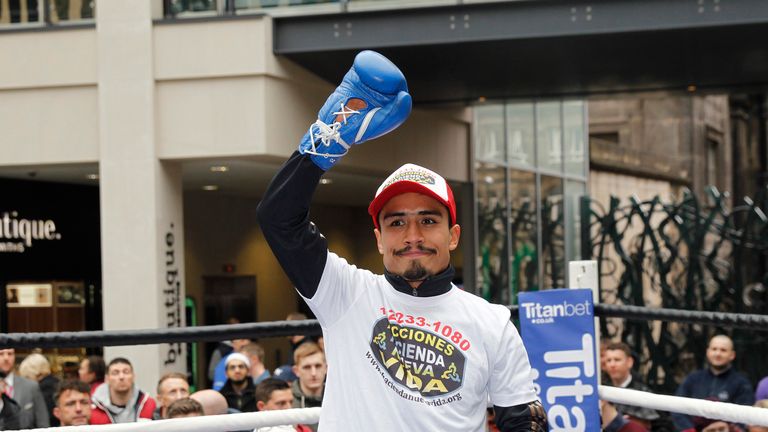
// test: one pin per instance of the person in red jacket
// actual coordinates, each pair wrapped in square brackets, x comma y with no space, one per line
[118,400]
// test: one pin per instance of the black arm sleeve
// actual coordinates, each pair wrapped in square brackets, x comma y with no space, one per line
[283,215]
[528,417]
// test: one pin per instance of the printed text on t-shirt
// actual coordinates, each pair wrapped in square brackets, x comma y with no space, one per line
[438,327]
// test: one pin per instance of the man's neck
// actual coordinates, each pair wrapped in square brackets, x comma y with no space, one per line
[238,388]
[257,370]
[308,392]
[432,286]
[622,382]
[720,370]
[120,398]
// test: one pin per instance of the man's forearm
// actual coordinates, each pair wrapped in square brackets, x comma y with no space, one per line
[283,215]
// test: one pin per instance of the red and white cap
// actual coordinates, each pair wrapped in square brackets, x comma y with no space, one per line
[413,178]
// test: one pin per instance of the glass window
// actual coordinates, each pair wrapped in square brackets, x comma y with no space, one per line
[523,259]
[24,11]
[573,125]
[489,133]
[492,234]
[529,226]
[549,136]
[180,6]
[552,232]
[71,10]
[520,139]
[574,190]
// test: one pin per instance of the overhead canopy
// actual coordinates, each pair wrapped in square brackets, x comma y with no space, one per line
[543,48]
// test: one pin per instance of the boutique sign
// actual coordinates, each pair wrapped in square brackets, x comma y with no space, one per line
[18,234]
[172,296]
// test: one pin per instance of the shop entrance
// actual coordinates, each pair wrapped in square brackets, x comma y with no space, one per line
[227,297]
[49,306]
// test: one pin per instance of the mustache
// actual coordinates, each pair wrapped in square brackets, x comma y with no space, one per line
[421,248]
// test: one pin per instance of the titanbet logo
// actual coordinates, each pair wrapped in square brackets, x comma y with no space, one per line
[538,313]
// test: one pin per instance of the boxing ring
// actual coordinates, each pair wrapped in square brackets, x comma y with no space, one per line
[248,421]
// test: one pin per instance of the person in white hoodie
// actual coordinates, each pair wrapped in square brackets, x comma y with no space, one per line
[118,400]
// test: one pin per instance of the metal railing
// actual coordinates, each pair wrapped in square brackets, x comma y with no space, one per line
[686,254]
[195,8]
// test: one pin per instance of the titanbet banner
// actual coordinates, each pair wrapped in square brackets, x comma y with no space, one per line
[558,330]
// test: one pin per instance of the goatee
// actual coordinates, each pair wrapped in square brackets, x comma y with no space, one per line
[416,272]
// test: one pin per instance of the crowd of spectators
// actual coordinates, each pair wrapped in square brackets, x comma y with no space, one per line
[104,393]
[717,381]
[32,397]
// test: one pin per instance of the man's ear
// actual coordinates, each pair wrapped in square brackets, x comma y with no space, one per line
[295,370]
[57,412]
[378,240]
[455,234]
[259,405]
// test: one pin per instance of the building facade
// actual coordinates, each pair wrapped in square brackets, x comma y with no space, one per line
[163,121]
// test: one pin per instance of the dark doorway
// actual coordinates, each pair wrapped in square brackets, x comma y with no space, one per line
[226,299]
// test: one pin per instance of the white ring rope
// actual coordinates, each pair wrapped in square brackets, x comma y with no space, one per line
[696,407]
[214,423]
[248,421]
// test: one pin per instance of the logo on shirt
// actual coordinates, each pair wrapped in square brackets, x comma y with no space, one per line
[418,359]
[414,175]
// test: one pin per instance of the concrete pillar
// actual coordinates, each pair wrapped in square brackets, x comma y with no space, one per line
[141,198]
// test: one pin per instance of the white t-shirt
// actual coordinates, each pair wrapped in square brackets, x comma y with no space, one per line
[398,362]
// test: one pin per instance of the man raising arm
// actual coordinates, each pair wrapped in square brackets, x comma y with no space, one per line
[407,349]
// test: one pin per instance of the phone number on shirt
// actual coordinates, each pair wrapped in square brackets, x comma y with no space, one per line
[419,321]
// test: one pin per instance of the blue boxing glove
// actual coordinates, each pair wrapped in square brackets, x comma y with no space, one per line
[371,100]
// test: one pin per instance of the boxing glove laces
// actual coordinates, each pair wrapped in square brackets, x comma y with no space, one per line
[371,101]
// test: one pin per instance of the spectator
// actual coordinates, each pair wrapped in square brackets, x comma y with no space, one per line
[36,367]
[10,412]
[762,389]
[719,382]
[613,421]
[761,403]
[255,354]
[310,368]
[274,394]
[223,349]
[220,374]
[170,388]
[91,371]
[26,393]
[212,401]
[73,403]
[285,372]
[119,400]
[239,389]
[185,407]
[618,365]
[297,340]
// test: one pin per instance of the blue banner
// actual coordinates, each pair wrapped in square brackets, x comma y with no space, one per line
[558,330]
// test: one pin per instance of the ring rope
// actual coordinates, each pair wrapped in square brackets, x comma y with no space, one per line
[247,421]
[102,338]
[696,407]
[726,319]
[213,423]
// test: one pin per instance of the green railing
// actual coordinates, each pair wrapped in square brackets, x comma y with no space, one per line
[687,255]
